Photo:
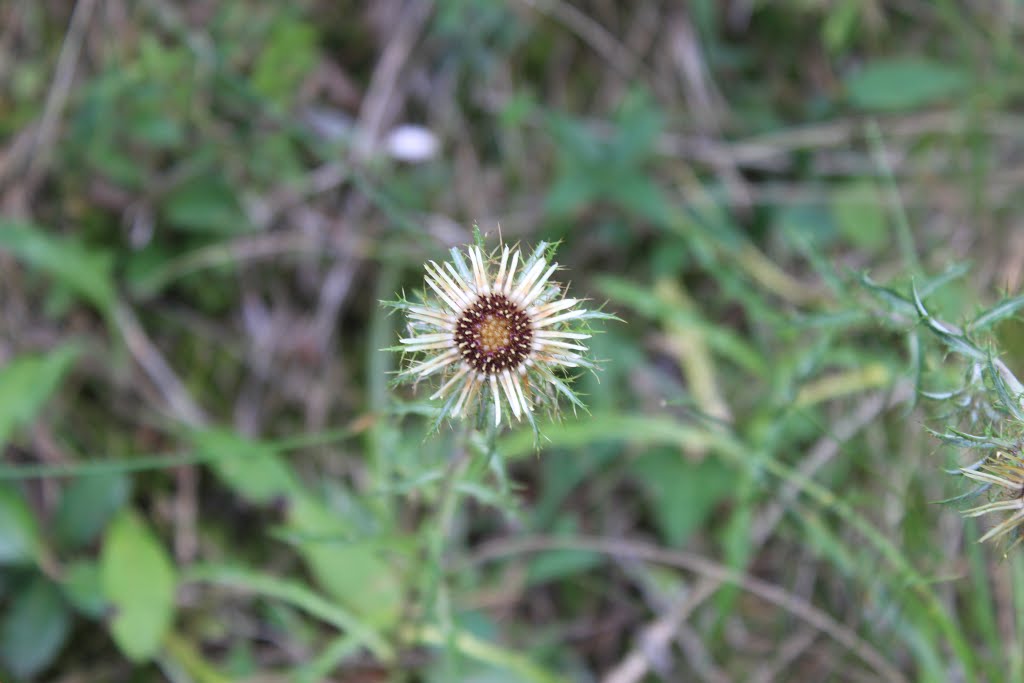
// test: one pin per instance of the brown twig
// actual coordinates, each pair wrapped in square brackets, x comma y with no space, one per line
[56,99]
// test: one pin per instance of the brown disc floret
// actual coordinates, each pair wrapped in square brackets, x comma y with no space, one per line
[494,334]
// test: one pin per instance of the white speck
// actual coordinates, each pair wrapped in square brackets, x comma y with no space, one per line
[413,144]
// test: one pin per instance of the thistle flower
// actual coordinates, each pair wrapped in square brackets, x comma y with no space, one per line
[498,331]
[1005,470]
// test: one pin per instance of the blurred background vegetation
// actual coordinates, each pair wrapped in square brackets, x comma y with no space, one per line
[207,478]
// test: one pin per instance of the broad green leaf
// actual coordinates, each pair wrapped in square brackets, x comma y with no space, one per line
[841,24]
[250,468]
[34,629]
[87,505]
[287,56]
[19,531]
[638,124]
[568,193]
[860,215]
[640,196]
[682,493]
[901,84]
[206,204]
[85,270]
[83,587]
[355,573]
[25,385]
[138,578]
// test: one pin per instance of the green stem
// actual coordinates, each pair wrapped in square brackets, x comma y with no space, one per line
[436,598]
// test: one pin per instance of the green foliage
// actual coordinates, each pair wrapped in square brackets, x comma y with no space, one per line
[250,468]
[902,84]
[595,166]
[83,587]
[202,210]
[19,531]
[26,384]
[85,271]
[205,204]
[288,55]
[984,415]
[353,571]
[34,629]
[857,208]
[138,578]
[86,506]
[295,594]
[683,493]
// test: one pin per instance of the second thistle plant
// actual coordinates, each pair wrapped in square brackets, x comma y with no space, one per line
[987,416]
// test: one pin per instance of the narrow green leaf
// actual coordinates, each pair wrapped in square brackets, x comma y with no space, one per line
[294,594]
[956,341]
[1011,403]
[559,564]
[635,429]
[893,299]
[1001,311]
[959,438]
[902,84]
[86,271]
[721,340]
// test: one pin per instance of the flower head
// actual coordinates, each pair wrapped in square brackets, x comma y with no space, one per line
[499,331]
[1005,470]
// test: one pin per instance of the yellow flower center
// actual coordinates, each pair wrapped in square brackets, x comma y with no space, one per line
[495,333]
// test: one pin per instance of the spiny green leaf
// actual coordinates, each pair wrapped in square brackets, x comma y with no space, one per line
[896,301]
[959,438]
[1001,311]
[1010,403]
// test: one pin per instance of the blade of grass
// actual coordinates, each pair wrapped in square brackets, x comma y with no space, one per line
[294,594]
